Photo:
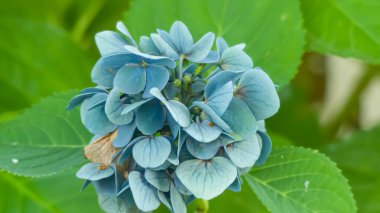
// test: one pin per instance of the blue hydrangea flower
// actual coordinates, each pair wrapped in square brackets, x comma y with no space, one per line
[172,119]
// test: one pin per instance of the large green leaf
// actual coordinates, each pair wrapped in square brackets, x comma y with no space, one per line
[359,156]
[301,180]
[44,140]
[37,59]
[348,28]
[271,30]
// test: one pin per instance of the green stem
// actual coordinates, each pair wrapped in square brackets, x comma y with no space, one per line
[86,19]
[333,126]
[181,58]
[201,206]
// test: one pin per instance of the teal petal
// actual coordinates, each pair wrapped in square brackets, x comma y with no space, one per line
[207,179]
[220,98]
[204,131]
[266,147]
[257,90]
[92,172]
[150,59]
[239,117]
[124,135]
[179,111]
[235,59]
[130,79]
[143,193]
[150,117]
[156,76]
[160,179]
[200,49]
[236,185]
[180,187]
[221,45]
[203,151]
[147,46]
[123,29]
[178,204]
[163,47]
[220,79]
[213,116]
[133,106]
[244,153]
[109,42]
[180,36]
[115,106]
[151,152]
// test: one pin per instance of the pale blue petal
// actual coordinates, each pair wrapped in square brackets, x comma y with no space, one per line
[109,42]
[150,117]
[190,69]
[207,179]
[106,186]
[213,116]
[244,153]
[170,90]
[98,104]
[180,187]
[151,59]
[211,58]
[156,76]
[204,131]
[173,156]
[203,151]
[178,204]
[240,119]
[163,47]
[133,106]
[200,49]
[160,179]
[114,107]
[164,199]
[127,151]
[151,152]
[123,29]
[122,203]
[221,45]
[93,90]
[163,166]
[181,141]
[236,185]
[131,79]
[257,90]
[124,135]
[235,59]
[220,80]
[173,125]
[220,98]
[96,120]
[181,36]
[147,46]
[91,171]
[178,110]
[77,100]
[197,87]
[266,147]
[143,193]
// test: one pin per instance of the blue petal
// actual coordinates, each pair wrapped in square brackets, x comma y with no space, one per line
[220,98]
[197,87]
[221,45]
[147,46]
[220,80]
[181,141]
[151,59]
[257,90]
[150,117]
[156,76]
[77,100]
[124,135]
[239,117]
[106,68]
[178,110]
[96,120]
[180,187]
[211,58]
[114,107]
[236,185]
[244,153]
[122,203]
[213,116]
[180,36]
[131,79]
[164,199]
[235,59]
[203,151]
[163,47]
[143,193]
[173,125]
[203,132]
[190,69]
[151,152]
[178,204]
[127,151]
[123,29]
[160,179]
[133,106]
[92,172]
[266,147]
[207,179]
[93,90]
[109,42]
[200,49]
[106,186]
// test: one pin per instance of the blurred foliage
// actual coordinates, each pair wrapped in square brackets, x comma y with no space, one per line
[48,46]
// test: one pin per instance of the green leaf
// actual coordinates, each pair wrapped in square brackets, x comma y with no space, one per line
[348,28]
[301,180]
[37,59]
[46,139]
[359,156]
[272,32]
[38,160]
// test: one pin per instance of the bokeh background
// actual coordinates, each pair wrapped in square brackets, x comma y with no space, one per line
[332,103]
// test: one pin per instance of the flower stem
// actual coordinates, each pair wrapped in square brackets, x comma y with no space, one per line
[201,206]
[181,58]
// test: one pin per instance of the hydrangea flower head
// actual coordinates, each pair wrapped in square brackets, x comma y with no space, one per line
[172,119]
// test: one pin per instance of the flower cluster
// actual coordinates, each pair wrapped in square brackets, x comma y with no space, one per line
[173,120]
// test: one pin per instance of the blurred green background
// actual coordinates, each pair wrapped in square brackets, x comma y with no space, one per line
[331,104]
